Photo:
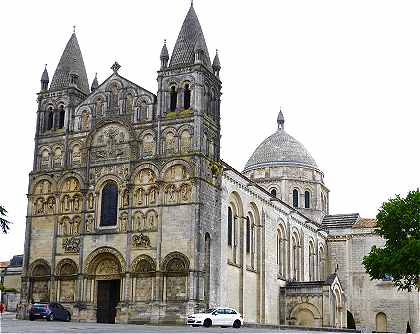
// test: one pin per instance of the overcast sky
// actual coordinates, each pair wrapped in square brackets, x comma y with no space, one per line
[346,74]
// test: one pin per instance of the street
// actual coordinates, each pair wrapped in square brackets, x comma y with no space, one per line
[9,324]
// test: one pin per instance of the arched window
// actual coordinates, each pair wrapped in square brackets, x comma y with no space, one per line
[173,99]
[248,235]
[281,259]
[187,96]
[311,262]
[49,119]
[109,204]
[295,258]
[273,192]
[229,226]
[61,117]
[321,266]
[295,198]
[307,199]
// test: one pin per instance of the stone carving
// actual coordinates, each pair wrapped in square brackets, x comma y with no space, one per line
[85,120]
[89,223]
[64,227]
[58,157]
[71,184]
[125,198]
[176,288]
[138,196]
[138,221]
[149,146]
[39,206]
[123,222]
[107,267]
[143,288]
[151,221]
[76,203]
[40,291]
[91,201]
[141,241]
[45,159]
[67,288]
[110,144]
[170,145]
[151,196]
[142,111]
[170,194]
[98,105]
[71,245]
[114,96]
[176,173]
[43,187]
[76,225]
[146,176]
[75,155]
[50,205]
[185,192]
[65,204]
[129,103]
[185,142]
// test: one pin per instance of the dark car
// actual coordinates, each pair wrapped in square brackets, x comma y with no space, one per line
[49,311]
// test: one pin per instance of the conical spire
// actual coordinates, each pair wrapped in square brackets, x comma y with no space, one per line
[190,35]
[164,54]
[280,120]
[94,83]
[45,79]
[70,67]
[216,62]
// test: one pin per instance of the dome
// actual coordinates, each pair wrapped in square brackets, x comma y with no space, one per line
[280,149]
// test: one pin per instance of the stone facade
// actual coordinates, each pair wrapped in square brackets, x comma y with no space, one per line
[128,191]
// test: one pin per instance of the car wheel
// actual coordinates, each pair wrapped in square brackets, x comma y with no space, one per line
[207,323]
[31,318]
[236,324]
[51,317]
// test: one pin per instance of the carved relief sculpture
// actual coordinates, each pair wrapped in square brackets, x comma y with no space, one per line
[141,241]
[123,222]
[89,224]
[58,157]
[85,120]
[90,201]
[148,145]
[71,245]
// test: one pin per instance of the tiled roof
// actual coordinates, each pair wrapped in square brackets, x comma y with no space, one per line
[190,35]
[70,62]
[365,223]
[280,149]
[342,220]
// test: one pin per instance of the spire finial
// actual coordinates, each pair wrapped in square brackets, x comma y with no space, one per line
[280,120]
[74,29]
[164,41]
[45,66]
[192,3]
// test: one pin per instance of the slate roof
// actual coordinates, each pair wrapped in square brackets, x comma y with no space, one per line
[70,61]
[342,220]
[16,261]
[190,35]
[280,149]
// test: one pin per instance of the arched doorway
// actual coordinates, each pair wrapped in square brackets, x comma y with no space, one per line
[350,321]
[105,268]
[381,323]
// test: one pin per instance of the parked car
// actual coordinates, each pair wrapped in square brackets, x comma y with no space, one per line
[49,311]
[219,316]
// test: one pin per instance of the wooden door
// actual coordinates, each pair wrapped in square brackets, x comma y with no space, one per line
[108,296]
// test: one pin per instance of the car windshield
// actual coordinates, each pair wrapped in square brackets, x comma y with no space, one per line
[210,310]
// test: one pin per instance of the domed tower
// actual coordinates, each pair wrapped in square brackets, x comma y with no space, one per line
[284,167]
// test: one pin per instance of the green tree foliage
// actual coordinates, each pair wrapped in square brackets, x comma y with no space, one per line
[4,224]
[399,224]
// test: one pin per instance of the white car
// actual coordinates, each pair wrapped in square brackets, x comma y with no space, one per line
[218,316]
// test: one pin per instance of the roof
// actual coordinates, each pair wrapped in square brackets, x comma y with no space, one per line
[216,61]
[16,261]
[44,76]
[280,149]
[341,220]
[190,35]
[164,54]
[365,223]
[4,264]
[71,61]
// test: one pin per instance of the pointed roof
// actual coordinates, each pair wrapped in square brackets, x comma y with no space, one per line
[94,83]
[164,54]
[45,77]
[216,62]
[70,62]
[190,35]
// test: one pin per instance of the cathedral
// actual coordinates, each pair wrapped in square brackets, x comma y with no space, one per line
[133,217]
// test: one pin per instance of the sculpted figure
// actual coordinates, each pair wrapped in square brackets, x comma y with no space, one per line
[90,201]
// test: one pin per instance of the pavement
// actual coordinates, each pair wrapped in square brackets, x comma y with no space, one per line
[9,324]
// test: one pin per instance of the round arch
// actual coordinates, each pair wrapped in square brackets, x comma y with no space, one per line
[94,257]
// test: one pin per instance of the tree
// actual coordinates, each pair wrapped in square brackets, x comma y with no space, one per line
[4,224]
[398,222]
